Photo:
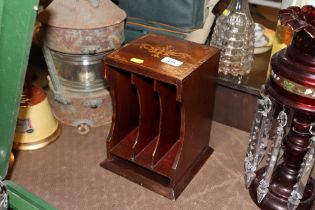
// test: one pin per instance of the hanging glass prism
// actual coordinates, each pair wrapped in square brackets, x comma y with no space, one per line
[262,189]
[304,174]
[259,137]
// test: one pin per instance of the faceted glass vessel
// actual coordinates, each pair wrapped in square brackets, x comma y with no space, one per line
[234,35]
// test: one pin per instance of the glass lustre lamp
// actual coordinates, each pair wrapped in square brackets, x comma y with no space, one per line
[286,112]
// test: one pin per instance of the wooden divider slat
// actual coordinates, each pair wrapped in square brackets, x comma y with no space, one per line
[169,127]
[149,113]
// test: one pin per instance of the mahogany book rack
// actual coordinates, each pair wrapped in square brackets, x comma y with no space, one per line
[162,92]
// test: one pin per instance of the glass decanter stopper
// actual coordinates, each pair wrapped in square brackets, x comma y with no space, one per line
[234,35]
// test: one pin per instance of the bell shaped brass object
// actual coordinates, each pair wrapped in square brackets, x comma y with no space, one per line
[36,126]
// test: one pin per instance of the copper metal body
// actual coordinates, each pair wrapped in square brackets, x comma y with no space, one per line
[81,114]
[84,41]
[81,27]
[76,35]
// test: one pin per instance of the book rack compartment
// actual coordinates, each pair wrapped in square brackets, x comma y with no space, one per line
[148,119]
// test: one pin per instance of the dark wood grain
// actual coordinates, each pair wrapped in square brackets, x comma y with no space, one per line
[198,93]
[124,148]
[155,48]
[125,117]
[149,113]
[169,121]
[234,108]
[144,158]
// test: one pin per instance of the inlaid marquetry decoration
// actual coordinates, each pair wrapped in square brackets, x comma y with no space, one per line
[119,57]
[157,51]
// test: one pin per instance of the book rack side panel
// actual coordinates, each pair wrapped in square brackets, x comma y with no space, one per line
[197,111]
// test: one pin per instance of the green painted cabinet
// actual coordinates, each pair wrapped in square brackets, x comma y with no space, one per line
[17,19]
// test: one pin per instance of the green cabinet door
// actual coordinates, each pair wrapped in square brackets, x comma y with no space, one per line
[17,19]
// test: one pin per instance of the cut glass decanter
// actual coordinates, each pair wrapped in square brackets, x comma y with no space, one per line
[234,35]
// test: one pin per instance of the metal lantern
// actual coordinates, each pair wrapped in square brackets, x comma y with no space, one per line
[76,35]
[286,113]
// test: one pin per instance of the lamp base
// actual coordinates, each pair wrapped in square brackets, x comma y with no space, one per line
[278,200]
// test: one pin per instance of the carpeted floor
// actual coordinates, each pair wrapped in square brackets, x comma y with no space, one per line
[67,175]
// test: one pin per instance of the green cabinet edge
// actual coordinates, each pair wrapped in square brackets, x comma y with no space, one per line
[16,29]
[17,19]
[19,198]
